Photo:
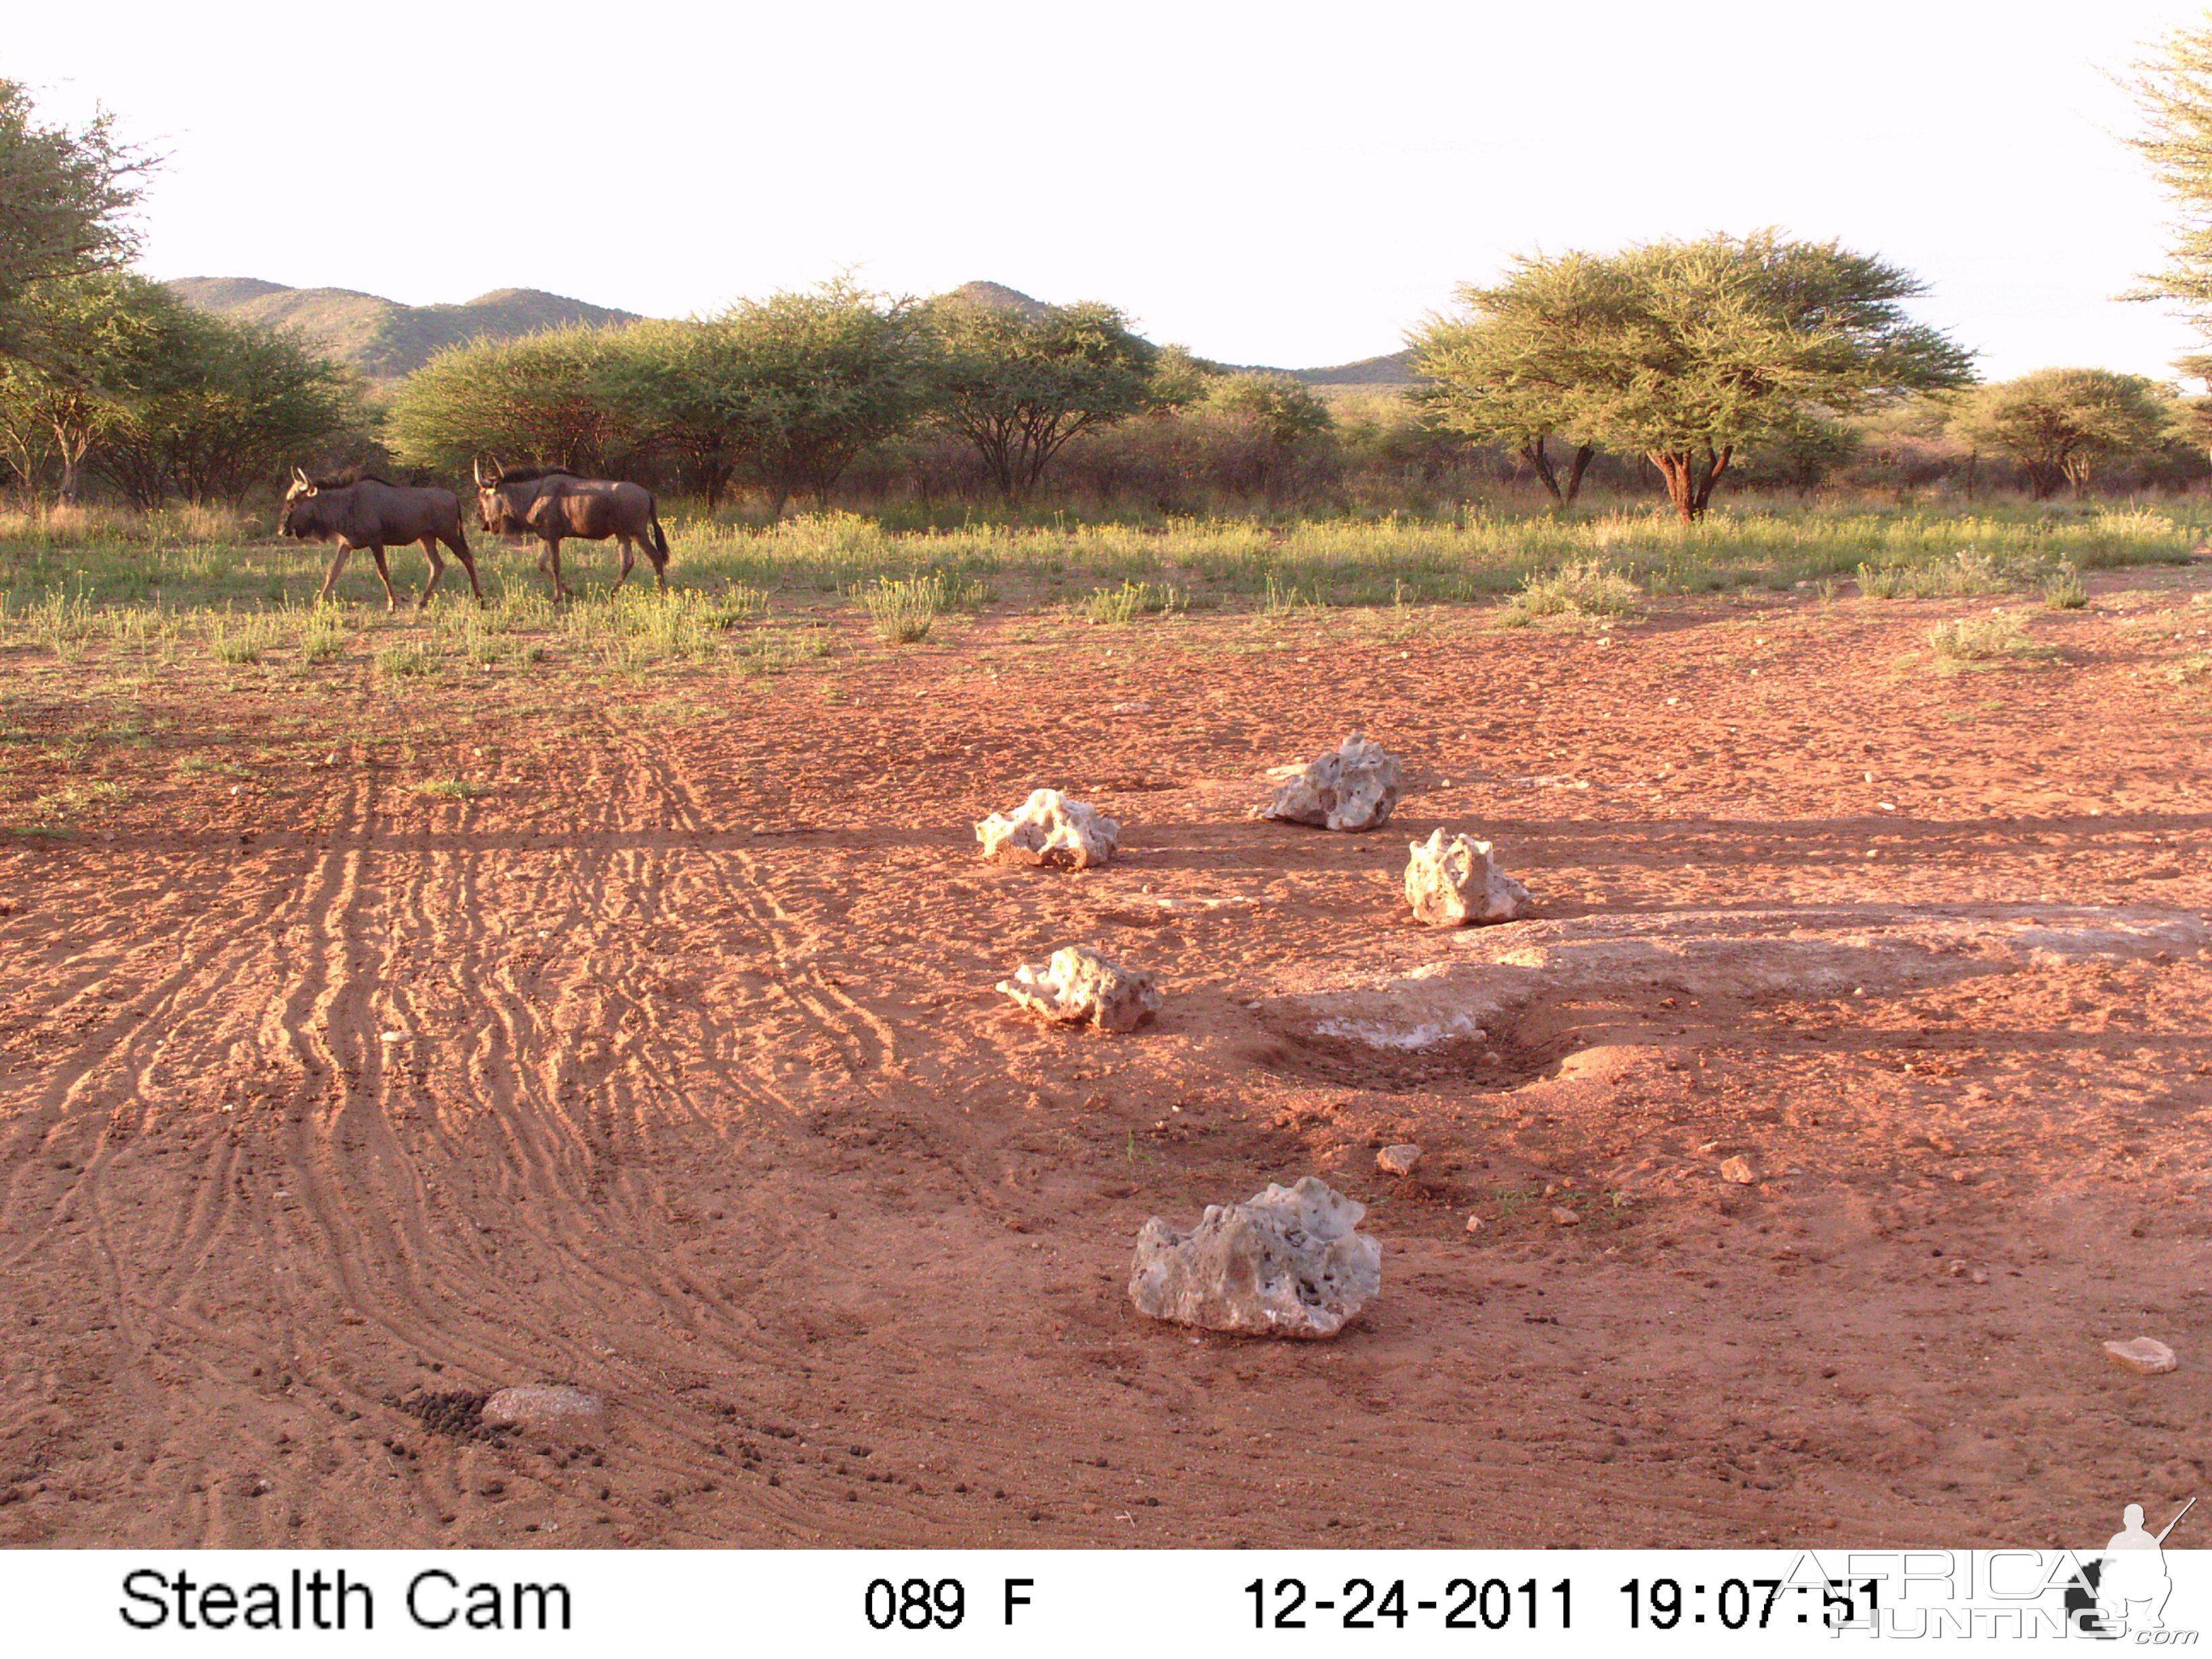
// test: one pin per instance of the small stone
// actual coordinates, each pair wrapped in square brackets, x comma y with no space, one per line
[1450,882]
[1050,829]
[2146,1355]
[1288,1261]
[1353,786]
[1399,1160]
[1738,1170]
[1979,1277]
[1956,1268]
[1475,1223]
[1563,1216]
[546,1407]
[1079,986]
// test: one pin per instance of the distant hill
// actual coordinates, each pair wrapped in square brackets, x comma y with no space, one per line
[997,296]
[385,340]
[1395,369]
[381,337]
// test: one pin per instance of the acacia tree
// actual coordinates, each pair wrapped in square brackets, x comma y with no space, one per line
[95,332]
[2059,423]
[211,407]
[1686,351]
[1019,388]
[557,399]
[64,194]
[2172,90]
[1508,371]
[805,380]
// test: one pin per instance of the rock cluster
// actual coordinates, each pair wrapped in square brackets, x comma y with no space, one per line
[1353,786]
[1450,882]
[1288,1262]
[1081,986]
[1049,828]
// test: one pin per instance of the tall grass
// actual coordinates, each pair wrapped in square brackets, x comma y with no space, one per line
[70,580]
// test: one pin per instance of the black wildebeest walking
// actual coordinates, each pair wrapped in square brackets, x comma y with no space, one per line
[553,504]
[366,511]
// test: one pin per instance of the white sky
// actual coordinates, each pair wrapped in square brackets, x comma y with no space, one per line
[1281,183]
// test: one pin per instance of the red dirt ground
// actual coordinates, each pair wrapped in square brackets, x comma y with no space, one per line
[672,1067]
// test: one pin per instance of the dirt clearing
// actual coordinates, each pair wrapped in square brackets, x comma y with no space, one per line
[368,1045]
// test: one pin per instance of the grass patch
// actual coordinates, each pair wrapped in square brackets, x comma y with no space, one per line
[903,611]
[1110,607]
[1994,637]
[2063,589]
[1585,587]
[454,789]
[409,660]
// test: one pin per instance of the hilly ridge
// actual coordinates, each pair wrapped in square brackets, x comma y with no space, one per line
[385,340]
[381,337]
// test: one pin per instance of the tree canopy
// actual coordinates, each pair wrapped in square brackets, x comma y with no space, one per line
[1019,388]
[2059,423]
[2172,90]
[554,398]
[1685,352]
[65,194]
[804,381]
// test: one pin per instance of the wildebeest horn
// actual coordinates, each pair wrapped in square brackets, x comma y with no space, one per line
[300,475]
[476,463]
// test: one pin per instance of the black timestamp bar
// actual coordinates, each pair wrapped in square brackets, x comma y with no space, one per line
[1383,1604]
[1734,1603]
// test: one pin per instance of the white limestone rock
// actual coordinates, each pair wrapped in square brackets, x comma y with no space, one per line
[547,1407]
[1451,882]
[2146,1355]
[1288,1262]
[1401,1159]
[1080,986]
[1353,786]
[1049,828]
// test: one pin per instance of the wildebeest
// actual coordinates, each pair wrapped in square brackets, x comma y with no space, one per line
[553,504]
[363,510]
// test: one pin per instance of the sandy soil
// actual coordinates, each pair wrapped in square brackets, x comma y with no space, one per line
[672,1067]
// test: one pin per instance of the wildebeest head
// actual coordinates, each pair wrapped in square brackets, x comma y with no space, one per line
[302,516]
[496,509]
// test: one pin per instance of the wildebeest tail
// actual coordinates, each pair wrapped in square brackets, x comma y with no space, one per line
[659,539]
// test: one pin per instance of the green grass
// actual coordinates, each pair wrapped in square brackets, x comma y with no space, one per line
[155,585]
[903,610]
[1116,606]
[1584,587]
[2000,635]
[454,789]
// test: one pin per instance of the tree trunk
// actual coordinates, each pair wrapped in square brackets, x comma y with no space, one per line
[1533,452]
[1582,456]
[1690,478]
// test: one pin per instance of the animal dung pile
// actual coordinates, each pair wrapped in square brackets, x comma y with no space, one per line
[1049,828]
[1353,786]
[1286,1262]
[1081,986]
[1451,882]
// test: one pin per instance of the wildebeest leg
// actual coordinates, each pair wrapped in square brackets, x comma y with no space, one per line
[468,563]
[337,564]
[550,564]
[384,576]
[629,561]
[437,569]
